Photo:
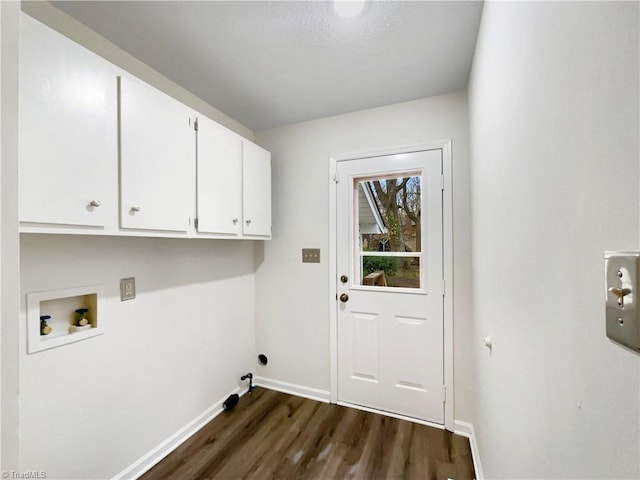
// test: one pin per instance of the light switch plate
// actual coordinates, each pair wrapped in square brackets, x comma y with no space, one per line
[310,255]
[127,288]
[622,270]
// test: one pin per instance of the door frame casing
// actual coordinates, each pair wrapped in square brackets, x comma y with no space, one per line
[447,258]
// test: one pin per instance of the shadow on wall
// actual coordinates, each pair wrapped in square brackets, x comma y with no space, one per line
[157,263]
[258,255]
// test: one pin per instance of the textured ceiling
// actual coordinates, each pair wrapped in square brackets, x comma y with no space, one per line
[272,63]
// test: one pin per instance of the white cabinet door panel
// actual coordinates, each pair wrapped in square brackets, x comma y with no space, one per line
[68,131]
[157,159]
[256,190]
[219,193]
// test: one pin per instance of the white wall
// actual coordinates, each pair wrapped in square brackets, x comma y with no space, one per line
[91,408]
[554,135]
[292,299]
[9,244]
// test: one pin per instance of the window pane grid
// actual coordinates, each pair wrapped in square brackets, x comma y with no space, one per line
[364,253]
[387,231]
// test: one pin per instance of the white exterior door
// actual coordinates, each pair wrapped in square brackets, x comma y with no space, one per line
[389,257]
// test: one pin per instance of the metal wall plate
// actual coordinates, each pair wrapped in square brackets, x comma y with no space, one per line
[622,307]
[127,288]
[310,255]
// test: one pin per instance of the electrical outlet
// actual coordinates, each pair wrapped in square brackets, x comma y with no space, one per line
[310,255]
[127,288]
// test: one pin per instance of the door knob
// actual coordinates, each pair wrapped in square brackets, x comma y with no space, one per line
[94,203]
[344,298]
[135,208]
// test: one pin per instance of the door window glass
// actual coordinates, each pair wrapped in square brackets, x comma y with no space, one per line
[389,231]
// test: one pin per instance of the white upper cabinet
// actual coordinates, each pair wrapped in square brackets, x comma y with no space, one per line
[102,152]
[67,131]
[219,196]
[256,190]
[157,159]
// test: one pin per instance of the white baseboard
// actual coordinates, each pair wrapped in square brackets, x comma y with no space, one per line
[465,429]
[147,461]
[293,389]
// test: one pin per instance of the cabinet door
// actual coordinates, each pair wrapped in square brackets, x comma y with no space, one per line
[157,159]
[256,190]
[219,194]
[68,131]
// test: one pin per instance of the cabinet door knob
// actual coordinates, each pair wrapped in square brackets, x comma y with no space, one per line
[135,208]
[95,203]
[235,221]
[249,222]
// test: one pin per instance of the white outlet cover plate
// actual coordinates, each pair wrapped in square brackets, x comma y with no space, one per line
[127,288]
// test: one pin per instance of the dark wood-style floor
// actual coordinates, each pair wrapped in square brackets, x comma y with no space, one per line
[272,435]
